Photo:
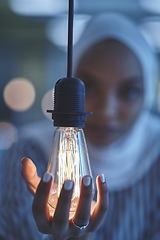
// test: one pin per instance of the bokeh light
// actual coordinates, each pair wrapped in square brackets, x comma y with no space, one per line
[8,135]
[19,94]
[37,7]
[47,103]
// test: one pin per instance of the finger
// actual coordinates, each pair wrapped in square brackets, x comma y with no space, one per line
[40,204]
[101,206]
[82,215]
[29,173]
[61,215]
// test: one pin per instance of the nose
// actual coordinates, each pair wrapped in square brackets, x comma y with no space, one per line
[108,105]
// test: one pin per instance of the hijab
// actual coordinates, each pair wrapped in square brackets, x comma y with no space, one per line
[125,161]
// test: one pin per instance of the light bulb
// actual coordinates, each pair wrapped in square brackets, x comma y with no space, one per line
[69,155]
[68,161]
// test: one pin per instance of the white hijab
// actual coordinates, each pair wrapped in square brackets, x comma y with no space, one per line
[128,159]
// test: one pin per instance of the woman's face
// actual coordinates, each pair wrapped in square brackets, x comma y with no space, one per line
[114,90]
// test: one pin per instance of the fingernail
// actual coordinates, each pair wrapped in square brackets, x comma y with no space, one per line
[46,177]
[68,185]
[86,181]
[102,178]
[22,159]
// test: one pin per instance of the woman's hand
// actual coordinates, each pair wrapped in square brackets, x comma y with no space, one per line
[59,225]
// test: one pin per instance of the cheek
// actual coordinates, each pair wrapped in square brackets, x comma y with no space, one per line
[130,112]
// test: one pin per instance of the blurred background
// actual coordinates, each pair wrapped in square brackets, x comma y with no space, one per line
[33,39]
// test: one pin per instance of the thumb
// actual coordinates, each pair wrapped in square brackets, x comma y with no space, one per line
[29,173]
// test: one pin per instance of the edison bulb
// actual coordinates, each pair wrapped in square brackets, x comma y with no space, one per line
[68,161]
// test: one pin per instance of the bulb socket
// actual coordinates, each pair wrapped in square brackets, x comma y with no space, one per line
[69,103]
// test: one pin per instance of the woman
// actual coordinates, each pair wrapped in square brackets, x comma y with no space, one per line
[123,137]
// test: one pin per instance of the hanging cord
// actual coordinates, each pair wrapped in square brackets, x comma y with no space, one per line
[70,38]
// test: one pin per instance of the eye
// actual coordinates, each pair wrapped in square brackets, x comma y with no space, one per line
[131,93]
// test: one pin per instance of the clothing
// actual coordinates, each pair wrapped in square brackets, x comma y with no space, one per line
[134,213]
[16,220]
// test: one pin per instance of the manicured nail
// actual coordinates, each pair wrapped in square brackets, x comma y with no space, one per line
[102,178]
[46,177]
[68,185]
[22,159]
[86,181]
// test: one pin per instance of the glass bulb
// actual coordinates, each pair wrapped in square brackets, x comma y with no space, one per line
[68,161]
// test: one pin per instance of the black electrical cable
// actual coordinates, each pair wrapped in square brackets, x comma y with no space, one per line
[69,94]
[70,38]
